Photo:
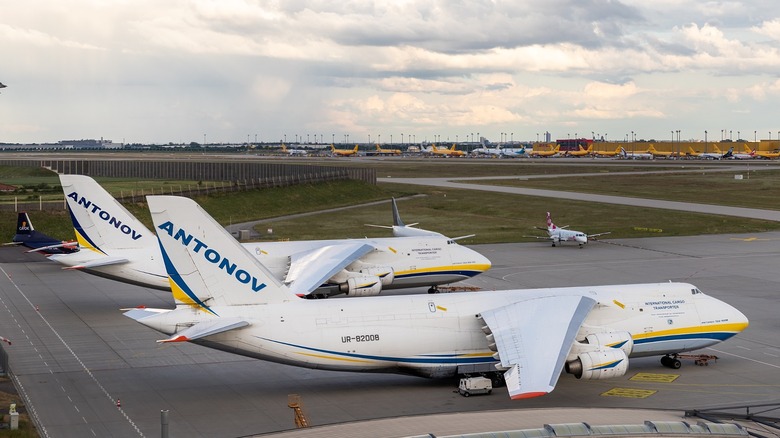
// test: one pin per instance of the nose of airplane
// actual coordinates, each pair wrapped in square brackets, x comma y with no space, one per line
[739,319]
[482,263]
[734,321]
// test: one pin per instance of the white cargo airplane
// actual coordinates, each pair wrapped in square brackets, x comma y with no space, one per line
[114,244]
[227,300]
[562,234]
[644,155]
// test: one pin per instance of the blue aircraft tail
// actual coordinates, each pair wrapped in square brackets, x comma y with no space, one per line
[27,236]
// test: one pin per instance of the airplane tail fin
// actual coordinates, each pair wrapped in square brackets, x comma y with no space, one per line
[101,223]
[356,148]
[206,266]
[397,222]
[550,223]
[24,226]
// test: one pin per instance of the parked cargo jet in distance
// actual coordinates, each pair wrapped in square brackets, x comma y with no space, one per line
[227,300]
[561,234]
[118,246]
[343,152]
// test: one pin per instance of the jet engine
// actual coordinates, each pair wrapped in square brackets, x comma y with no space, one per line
[385,273]
[361,286]
[601,364]
[621,340]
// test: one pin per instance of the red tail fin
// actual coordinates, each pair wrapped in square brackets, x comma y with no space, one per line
[550,223]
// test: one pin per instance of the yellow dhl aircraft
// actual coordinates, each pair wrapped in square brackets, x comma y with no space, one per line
[381,151]
[451,152]
[581,152]
[656,153]
[608,153]
[343,152]
[761,154]
[550,153]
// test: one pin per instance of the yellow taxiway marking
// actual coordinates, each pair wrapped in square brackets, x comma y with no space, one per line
[750,239]
[652,377]
[629,393]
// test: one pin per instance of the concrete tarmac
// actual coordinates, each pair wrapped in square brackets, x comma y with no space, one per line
[86,370]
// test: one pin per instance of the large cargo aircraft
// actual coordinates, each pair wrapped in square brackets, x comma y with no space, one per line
[114,244]
[227,300]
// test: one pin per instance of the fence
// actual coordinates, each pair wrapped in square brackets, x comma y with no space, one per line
[217,177]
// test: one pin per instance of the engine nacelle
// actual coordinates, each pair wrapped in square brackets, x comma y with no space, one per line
[362,286]
[597,365]
[386,273]
[621,340]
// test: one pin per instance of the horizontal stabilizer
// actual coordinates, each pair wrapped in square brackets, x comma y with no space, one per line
[104,261]
[206,328]
[72,245]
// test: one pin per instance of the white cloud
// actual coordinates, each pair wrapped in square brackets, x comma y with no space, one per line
[239,66]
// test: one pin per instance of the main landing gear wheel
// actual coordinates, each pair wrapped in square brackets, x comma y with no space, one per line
[433,290]
[671,362]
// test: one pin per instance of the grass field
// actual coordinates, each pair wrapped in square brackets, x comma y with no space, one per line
[493,217]
[756,189]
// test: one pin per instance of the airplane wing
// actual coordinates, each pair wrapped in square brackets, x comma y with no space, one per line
[311,269]
[591,236]
[539,237]
[533,338]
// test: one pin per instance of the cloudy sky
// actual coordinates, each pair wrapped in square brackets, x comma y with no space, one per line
[152,71]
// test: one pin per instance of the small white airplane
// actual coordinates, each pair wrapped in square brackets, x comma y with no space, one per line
[563,234]
[294,152]
[495,152]
[114,244]
[514,152]
[227,300]
[645,155]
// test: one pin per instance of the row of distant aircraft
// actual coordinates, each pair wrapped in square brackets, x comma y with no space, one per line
[502,152]
[248,299]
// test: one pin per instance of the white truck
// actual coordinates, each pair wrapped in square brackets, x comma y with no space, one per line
[475,385]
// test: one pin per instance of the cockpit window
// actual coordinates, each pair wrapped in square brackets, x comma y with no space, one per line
[695,291]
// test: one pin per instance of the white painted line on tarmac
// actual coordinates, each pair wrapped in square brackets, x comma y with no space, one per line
[747,358]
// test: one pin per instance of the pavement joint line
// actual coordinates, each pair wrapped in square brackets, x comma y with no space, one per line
[73,353]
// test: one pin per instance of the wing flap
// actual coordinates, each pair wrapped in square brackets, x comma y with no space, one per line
[311,269]
[533,338]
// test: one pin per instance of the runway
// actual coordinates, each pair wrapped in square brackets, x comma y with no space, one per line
[76,357]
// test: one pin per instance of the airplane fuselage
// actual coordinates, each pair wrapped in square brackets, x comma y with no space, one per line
[564,235]
[416,261]
[432,336]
